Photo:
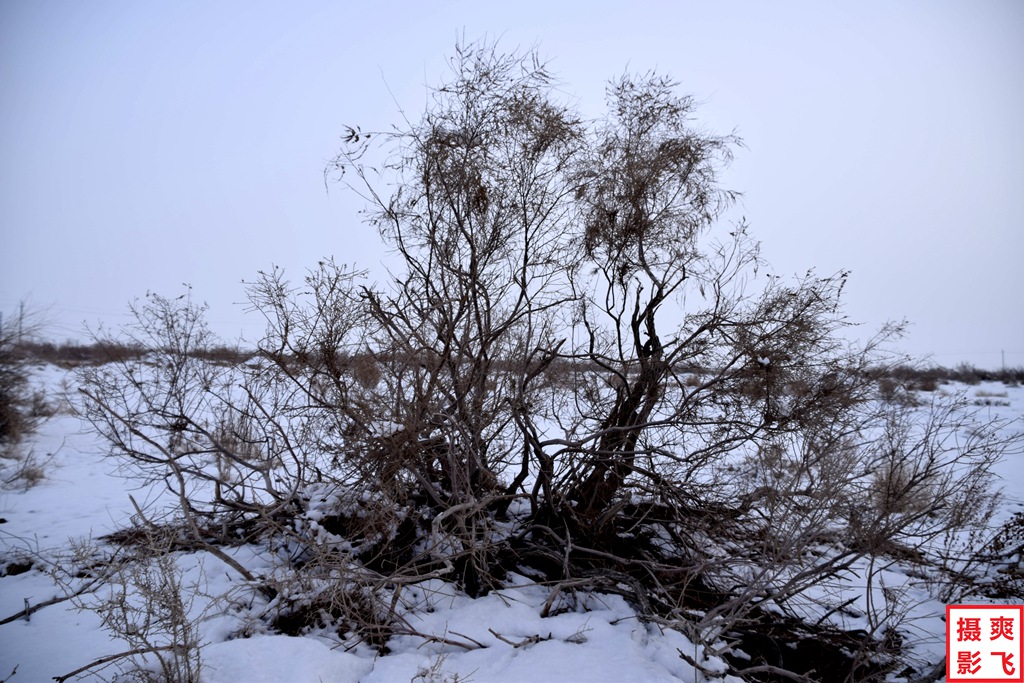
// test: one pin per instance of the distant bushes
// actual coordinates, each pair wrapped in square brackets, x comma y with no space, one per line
[69,355]
[929,378]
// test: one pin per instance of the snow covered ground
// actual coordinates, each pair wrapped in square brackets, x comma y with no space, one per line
[499,637]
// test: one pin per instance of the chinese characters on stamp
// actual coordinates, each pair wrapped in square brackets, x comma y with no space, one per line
[984,644]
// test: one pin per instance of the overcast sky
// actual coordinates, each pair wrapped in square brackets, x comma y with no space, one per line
[144,145]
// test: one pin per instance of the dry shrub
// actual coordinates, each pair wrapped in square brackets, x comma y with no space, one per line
[21,411]
[893,391]
[365,370]
[898,487]
[143,601]
[15,421]
[692,381]
[25,471]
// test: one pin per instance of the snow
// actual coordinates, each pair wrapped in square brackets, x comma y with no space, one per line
[280,658]
[447,636]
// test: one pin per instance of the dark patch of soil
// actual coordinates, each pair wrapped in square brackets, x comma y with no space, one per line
[16,567]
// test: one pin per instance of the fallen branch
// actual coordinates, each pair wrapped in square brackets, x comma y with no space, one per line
[111,658]
[932,675]
[30,610]
[529,640]
[708,673]
[473,645]
[775,671]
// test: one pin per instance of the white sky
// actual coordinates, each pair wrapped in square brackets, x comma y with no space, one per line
[148,144]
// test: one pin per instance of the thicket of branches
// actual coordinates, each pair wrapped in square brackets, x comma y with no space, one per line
[577,373]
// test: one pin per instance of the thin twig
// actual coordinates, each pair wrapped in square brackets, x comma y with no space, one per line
[529,640]
[29,610]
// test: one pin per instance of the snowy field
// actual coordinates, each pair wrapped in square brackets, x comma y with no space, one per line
[449,637]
